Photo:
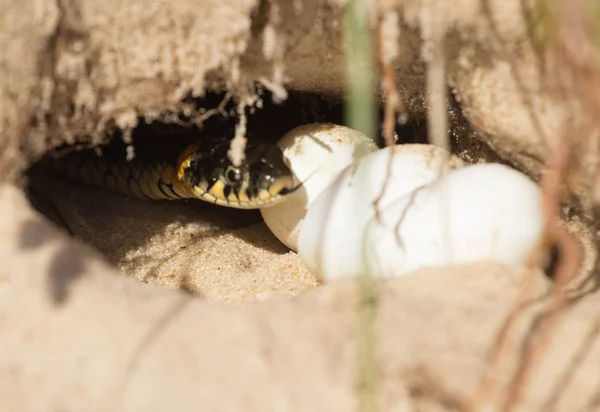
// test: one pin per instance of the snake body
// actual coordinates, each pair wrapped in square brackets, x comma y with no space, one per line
[199,171]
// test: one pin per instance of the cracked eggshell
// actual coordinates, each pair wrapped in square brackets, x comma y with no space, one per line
[481,212]
[331,239]
[316,153]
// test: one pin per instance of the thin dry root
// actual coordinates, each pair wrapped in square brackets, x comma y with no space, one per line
[393,103]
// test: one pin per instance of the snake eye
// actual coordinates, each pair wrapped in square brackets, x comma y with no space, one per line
[233,174]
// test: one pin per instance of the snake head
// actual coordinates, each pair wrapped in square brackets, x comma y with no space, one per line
[263,179]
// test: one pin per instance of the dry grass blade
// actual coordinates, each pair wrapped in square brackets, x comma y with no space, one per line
[360,115]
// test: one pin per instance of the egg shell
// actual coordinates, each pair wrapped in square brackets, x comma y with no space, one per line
[331,239]
[316,153]
[481,212]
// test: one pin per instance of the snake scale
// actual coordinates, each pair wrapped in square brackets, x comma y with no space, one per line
[200,170]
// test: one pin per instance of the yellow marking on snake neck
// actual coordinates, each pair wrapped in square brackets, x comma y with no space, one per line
[178,187]
[184,160]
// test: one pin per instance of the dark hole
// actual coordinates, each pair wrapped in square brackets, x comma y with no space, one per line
[269,122]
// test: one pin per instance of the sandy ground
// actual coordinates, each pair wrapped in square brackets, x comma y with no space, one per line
[217,253]
[103,321]
[89,338]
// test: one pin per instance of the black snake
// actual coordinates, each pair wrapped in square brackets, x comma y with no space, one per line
[200,170]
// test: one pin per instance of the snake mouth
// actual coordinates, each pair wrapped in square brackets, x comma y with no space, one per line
[246,196]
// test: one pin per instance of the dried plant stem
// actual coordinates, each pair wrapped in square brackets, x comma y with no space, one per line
[199,120]
[436,76]
[360,104]
[393,103]
[360,115]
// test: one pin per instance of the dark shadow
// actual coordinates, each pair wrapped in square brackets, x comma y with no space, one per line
[594,403]
[34,235]
[423,386]
[66,268]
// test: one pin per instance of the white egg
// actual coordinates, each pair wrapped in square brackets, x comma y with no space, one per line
[316,153]
[331,239]
[480,212]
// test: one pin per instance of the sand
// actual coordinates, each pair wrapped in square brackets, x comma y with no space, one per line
[109,303]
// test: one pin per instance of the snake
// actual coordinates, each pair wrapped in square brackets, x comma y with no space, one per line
[201,170]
